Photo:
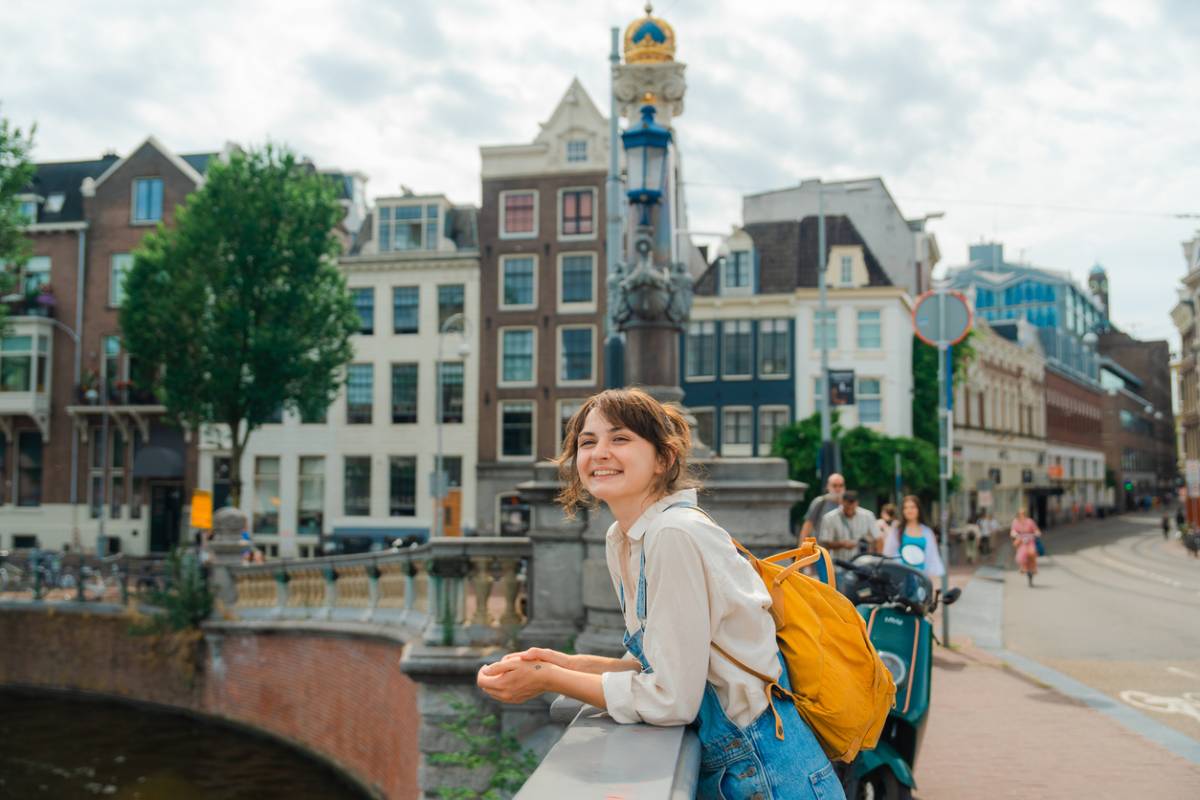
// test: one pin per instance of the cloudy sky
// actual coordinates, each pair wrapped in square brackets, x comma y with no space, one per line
[1066,130]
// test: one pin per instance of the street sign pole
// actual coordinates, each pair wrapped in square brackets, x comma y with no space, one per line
[942,319]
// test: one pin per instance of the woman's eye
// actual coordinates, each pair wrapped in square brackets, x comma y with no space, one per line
[620,439]
[586,444]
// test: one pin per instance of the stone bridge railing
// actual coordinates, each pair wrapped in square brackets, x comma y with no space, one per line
[455,591]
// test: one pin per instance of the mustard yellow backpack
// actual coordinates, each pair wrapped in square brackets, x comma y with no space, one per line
[839,685]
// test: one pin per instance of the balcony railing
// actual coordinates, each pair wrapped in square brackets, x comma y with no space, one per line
[456,591]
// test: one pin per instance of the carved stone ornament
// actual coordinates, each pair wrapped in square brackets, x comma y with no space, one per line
[650,293]
[663,81]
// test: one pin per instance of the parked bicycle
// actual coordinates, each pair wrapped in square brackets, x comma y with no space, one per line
[98,580]
[11,576]
[51,570]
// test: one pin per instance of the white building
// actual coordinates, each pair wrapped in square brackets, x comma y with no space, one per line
[364,475]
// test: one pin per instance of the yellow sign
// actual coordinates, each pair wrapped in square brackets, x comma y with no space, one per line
[202,509]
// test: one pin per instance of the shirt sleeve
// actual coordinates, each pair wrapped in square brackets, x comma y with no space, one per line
[814,510]
[677,638]
[891,543]
[933,559]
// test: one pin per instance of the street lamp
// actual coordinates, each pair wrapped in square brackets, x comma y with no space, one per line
[453,322]
[646,156]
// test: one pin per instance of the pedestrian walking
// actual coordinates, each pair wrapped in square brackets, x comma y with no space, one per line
[987,529]
[913,542]
[822,505]
[971,536]
[884,525]
[684,592]
[1025,534]
[1166,525]
[1180,518]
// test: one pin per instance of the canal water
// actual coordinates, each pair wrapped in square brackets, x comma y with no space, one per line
[55,746]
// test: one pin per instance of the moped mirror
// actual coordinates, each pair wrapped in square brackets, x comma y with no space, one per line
[952,595]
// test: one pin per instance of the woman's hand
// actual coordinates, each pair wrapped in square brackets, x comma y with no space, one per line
[514,679]
[547,655]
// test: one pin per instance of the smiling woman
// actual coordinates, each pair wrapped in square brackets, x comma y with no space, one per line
[687,598]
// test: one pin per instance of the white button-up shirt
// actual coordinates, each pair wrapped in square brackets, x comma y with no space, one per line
[699,590]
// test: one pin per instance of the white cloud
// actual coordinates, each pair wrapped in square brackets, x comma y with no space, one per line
[1003,114]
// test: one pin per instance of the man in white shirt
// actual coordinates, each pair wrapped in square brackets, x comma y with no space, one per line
[843,527]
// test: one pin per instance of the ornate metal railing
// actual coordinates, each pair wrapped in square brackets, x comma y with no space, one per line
[457,591]
[50,576]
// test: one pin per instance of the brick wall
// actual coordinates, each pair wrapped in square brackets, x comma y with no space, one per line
[340,696]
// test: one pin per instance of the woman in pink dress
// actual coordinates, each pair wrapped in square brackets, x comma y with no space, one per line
[1025,534]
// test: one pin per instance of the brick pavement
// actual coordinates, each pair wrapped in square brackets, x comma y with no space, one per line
[995,733]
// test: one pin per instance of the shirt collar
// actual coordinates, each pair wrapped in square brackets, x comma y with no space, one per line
[639,528]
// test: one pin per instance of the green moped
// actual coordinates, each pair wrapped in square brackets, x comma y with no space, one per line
[896,601]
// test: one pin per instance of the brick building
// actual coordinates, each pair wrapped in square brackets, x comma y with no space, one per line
[542,305]
[1139,424]
[65,371]
[1074,429]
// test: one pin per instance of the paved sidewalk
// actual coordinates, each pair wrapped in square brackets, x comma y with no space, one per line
[994,732]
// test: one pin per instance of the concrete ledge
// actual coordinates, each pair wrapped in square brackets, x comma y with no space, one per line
[308,627]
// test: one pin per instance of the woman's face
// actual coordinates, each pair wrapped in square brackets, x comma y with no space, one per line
[1020,513]
[613,462]
[911,513]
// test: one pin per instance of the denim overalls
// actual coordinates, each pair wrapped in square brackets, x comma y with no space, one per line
[748,763]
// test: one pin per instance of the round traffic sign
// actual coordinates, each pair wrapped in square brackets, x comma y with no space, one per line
[942,318]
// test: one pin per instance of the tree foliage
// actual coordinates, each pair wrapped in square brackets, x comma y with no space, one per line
[239,309]
[16,173]
[925,383]
[868,458]
[184,601]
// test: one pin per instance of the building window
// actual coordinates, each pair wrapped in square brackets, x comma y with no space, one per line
[736,348]
[119,268]
[360,389]
[576,150]
[825,329]
[516,429]
[220,484]
[566,410]
[27,210]
[35,275]
[577,280]
[771,420]
[406,306]
[356,494]
[702,349]
[29,468]
[870,336]
[870,401]
[518,214]
[705,425]
[452,467]
[22,369]
[402,481]
[116,476]
[736,431]
[450,377]
[518,282]
[111,366]
[147,199]
[847,275]
[410,227]
[576,348]
[404,394]
[737,270]
[516,355]
[450,302]
[773,348]
[266,494]
[310,517]
[364,303]
[578,212]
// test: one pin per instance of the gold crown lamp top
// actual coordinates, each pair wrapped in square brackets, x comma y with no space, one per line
[649,39]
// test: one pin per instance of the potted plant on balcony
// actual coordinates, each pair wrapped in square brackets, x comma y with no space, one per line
[45,296]
[89,387]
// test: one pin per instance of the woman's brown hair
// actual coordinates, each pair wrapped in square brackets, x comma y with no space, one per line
[920,511]
[661,425]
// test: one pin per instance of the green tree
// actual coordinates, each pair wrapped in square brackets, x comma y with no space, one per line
[925,383]
[868,458]
[239,310]
[16,173]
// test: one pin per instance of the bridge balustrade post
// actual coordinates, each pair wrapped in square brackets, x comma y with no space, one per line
[331,594]
[554,593]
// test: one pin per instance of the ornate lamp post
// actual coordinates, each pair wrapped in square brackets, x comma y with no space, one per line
[652,300]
